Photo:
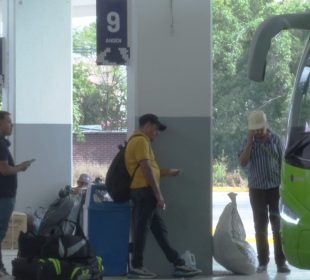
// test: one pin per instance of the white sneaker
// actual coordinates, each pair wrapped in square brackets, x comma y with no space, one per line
[7,277]
[3,271]
[141,272]
[186,270]
[4,275]
[261,269]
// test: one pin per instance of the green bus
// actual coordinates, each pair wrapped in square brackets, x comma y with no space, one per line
[295,186]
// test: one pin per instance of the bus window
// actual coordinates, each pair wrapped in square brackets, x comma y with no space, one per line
[298,148]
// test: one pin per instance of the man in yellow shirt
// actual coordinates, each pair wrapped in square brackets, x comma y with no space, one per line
[147,198]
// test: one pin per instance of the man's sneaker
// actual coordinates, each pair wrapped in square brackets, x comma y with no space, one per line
[261,269]
[3,271]
[4,274]
[185,270]
[141,272]
[283,269]
[7,277]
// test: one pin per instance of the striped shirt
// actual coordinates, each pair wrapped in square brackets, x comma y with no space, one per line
[264,165]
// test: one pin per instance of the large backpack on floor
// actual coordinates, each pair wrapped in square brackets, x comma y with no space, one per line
[57,269]
[62,215]
[56,258]
[60,251]
[54,246]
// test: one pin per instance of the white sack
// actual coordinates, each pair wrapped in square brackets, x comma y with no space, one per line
[229,246]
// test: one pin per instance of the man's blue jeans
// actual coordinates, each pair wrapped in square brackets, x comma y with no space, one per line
[6,208]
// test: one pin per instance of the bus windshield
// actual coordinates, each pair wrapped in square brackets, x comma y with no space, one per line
[298,142]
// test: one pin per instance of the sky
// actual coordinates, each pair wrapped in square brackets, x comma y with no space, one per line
[82,21]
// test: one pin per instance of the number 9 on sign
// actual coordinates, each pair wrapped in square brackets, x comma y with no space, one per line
[113,20]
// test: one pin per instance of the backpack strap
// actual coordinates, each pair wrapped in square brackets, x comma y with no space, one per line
[134,172]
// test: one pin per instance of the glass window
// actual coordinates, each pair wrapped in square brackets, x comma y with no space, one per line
[1,51]
[298,148]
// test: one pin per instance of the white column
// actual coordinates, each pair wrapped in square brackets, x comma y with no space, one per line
[170,74]
[38,94]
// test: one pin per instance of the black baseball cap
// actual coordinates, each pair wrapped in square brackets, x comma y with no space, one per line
[152,119]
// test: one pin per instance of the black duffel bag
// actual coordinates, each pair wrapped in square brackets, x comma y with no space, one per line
[57,269]
[30,244]
[67,247]
[55,246]
[25,268]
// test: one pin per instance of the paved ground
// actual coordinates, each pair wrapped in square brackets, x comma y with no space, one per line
[220,273]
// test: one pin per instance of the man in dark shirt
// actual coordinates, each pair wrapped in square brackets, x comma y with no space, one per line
[8,179]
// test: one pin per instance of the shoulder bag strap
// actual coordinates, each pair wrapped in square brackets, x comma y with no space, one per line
[133,174]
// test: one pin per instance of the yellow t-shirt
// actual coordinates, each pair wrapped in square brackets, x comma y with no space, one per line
[139,148]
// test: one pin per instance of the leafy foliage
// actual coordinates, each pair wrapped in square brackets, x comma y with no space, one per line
[100,95]
[234,23]
[99,92]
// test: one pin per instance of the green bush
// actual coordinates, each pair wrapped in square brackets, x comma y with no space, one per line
[224,178]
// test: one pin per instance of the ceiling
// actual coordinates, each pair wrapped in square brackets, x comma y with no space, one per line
[80,8]
[83,8]
[83,2]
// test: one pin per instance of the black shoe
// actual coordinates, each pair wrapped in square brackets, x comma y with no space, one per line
[283,269]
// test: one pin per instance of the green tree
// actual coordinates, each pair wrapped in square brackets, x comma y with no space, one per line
[99,92]
[82,88]
[84,40]
[234,23]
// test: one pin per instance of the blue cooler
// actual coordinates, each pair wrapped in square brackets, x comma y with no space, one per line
[107,226]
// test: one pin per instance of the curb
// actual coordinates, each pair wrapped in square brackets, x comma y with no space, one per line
[230,189]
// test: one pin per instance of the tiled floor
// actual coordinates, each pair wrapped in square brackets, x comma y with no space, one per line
[219,273]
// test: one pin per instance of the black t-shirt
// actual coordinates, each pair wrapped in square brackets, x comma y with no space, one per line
[8,184]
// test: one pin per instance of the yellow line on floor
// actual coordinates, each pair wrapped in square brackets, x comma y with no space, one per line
[252,240]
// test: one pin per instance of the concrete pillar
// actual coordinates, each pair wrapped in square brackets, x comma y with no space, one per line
[170,74]
[38,94]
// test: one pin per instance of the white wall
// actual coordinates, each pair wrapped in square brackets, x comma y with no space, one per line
[38,93]
[1,18]
[43,57]
[173,64]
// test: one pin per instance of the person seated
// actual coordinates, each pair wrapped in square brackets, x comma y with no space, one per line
[82,183]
